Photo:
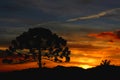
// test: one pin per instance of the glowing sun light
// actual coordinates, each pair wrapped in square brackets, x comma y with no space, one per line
[85,66]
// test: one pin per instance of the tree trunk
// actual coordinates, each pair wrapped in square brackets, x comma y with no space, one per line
[39,59]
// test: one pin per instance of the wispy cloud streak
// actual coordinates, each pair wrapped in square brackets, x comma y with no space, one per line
[101,14]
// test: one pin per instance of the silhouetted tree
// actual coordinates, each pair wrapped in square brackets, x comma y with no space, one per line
[105,62]
[42,39]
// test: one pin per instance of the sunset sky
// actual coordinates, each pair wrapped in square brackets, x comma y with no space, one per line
[91,27]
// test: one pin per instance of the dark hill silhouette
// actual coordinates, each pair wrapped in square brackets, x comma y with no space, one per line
[65,73]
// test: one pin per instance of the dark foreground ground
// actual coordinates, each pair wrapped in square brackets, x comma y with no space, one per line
[64,73]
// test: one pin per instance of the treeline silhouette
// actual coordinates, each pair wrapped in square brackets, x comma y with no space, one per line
[101,72]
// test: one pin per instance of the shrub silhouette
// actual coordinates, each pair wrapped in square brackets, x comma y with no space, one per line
[105,62]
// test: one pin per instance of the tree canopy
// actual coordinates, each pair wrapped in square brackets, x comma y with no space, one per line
[42,39]
[38,38]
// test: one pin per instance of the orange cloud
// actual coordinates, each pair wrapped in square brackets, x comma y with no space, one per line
[111,36]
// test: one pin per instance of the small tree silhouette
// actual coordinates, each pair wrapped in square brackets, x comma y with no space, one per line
[42,39]
[105,62]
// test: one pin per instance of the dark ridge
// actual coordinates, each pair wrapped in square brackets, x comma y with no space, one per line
[64,73]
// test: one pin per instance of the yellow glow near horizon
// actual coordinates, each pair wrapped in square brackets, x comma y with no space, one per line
[85,66]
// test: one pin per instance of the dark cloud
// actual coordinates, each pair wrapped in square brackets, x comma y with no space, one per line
[118,34]
[9,33]
[10,5]
[22,11]
[86,1]
[64,7]
[19,21]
